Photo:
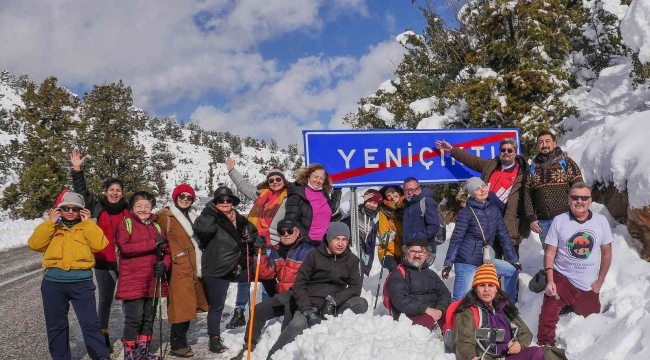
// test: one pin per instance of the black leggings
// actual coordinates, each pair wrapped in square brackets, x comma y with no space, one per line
[139,315]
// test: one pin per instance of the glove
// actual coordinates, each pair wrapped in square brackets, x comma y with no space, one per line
[159,269]
[329,307]
[260,243]
[445,272]
[161,240]
[517,266]
[248,238]
[312,317]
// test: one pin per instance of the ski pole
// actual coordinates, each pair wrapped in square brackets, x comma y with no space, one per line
[248,274]
[252,307]
[160,318]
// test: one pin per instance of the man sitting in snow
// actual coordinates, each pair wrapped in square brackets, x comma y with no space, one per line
[328,283]
[282,264]
[416,290]
[577,242]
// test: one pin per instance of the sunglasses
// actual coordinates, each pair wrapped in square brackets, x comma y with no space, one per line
[186,197]
[508,150]
[70,208]
[275,180]
[283,232]
[224,201]
[576,197]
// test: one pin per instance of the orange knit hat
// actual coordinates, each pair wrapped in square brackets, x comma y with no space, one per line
[486,274]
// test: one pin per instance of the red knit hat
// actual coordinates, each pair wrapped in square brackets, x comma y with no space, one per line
[372,195]
[181,189]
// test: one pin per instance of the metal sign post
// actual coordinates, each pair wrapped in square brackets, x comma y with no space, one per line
[354,226]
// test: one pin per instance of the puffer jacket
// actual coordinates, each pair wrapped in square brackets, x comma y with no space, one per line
[284,269]
[323,274]
[419,289]
[68,249]
[466,244]
[390,220]
[299,210]
[417,226]
[107,215]
[222,245]
[137,257]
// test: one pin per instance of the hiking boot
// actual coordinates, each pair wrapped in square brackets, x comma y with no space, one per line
[144,341]
[567,309]
[107,340]
[238,319]
[182,353]
[216,345]
[130,350]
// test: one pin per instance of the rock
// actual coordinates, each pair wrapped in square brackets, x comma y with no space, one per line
[614,199]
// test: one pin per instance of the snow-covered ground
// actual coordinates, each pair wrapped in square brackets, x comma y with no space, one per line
[16,233]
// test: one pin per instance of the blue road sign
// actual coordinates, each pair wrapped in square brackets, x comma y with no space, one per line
[384,157]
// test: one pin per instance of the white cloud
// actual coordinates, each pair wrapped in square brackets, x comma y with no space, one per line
[284,108]
[391,23]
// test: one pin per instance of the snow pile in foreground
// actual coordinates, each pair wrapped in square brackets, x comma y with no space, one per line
[14,233]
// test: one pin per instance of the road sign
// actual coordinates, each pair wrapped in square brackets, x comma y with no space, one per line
[384,157]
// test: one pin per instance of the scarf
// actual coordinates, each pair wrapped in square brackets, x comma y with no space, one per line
[111,208]
[394,210]
[186,222]
[70,223]
[264,209]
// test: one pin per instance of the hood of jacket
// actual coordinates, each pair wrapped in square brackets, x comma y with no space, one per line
[476,204]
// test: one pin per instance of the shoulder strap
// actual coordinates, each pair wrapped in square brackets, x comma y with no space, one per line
[532,169]
[402,270]
[562,163]
[479,226]
[129,225]
[423,206]
[155,224]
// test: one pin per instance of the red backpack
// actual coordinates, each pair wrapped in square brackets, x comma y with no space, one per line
[450,318]
[387,303]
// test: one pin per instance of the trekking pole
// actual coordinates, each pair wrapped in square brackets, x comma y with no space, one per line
[381,272]
[248,274]
[251,320]
[160,252]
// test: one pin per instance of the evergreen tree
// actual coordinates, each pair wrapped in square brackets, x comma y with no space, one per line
[48,117]
[235,144]
[292,150]
[109,125]
[211,180]
[274,145]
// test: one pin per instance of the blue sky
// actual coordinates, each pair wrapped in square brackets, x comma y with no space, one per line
[265,68]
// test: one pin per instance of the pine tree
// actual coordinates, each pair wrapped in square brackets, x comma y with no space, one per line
[109,125]
[274,145]
[48,117]
[211,180]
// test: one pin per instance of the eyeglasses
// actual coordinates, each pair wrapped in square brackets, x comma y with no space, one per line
[283,232]
[225,200]
[275,180]
[185,197]
[414,253]
[70,208]
[508,150]
[408,191]
[576,197]
[140,207]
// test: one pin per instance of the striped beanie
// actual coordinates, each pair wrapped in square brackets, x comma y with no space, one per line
[486,274]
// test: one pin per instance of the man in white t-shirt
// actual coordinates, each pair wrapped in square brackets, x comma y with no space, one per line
[576,260]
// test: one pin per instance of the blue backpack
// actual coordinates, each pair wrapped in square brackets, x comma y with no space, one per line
[562,163]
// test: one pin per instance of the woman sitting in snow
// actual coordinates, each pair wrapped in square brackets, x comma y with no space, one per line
[496,312]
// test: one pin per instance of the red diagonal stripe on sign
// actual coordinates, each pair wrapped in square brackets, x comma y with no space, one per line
[352,173]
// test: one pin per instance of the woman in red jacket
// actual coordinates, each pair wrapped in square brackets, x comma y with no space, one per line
[138,238]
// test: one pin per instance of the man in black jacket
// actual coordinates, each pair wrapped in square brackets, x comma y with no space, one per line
[416,290]
[328,283]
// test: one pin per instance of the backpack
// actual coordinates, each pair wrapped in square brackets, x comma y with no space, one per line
[129,226]
[562,163]
[450,318]
[441,236]
[387,303]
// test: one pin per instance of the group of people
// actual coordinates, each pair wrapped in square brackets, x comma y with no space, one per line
[307,268]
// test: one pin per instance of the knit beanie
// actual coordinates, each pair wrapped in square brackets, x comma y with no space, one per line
[372,195]
[275,171]
[472,184]
[71,199]
[181,189]
[486,274]
[337,228]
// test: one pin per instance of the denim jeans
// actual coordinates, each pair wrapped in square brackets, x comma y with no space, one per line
[465,276]
[545,225]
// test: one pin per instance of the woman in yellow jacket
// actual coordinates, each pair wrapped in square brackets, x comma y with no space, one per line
[69,238]
[391,215]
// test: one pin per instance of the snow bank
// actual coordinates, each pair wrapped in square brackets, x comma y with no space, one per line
[635,28]
[16,233]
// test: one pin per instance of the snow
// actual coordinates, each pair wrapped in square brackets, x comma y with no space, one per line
[16,233]
[382,113]
[404,37]
[635,28]
[423,106]
[388,87]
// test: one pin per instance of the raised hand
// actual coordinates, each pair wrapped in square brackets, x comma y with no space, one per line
[444,145]
[76,160]
[54,215]
[230,164]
